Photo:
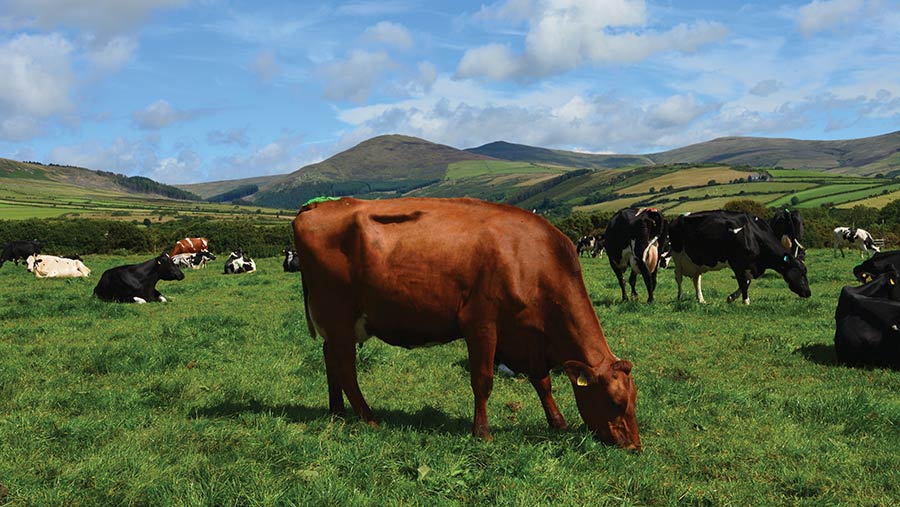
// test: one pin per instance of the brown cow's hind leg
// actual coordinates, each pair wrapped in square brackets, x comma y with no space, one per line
[482,345]
[341,359]
[335,395]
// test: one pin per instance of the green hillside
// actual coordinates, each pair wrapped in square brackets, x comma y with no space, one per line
[524,153]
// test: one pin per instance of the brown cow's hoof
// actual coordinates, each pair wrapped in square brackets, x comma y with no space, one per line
[482,433]
[373,423]
[559,424]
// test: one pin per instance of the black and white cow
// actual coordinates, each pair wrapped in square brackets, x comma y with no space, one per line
[136,283]
[19,250]
[867,323]
[193,260]
[599,246]
[637,239]
[291,262]
[882,262]
[788,227]
[853,236]
[585,245]
[237,262]
[711,240]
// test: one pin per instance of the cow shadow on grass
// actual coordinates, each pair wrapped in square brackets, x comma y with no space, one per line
[424,419]
[819,353]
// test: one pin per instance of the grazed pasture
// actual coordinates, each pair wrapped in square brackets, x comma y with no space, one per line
[219,398]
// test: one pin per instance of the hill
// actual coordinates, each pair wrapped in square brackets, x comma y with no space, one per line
[523,153]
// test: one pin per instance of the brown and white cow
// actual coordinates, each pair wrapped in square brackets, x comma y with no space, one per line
[50,266]
[189,245]
[416,272]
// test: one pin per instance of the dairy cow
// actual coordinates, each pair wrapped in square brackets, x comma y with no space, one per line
[846,237]
[189,245]
[291,262]
[193,260]
[136,283]
[637,239]
[416,272]
[711,240]
[50,266]
[788,227]
[19,250]
[237,263]
[881,262]
[585,245]
[867,322]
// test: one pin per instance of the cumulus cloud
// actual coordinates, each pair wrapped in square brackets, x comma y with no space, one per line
[184,167]
[283,155]
[764,88]
[37,75]
[823,14]
[20,128]
[114,53]
[161,114]
[120,155]
[565,34]
[391,34]
[354,77]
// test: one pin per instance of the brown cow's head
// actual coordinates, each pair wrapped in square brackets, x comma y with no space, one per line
[606,398]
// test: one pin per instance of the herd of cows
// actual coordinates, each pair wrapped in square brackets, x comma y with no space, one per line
[419,271]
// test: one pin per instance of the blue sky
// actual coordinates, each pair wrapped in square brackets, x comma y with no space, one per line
[187,91]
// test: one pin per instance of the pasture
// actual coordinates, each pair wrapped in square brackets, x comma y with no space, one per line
[219,397]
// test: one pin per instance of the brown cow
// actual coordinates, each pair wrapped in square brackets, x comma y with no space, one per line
[189,245]
[415,272]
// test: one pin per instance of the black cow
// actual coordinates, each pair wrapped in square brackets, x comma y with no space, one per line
[136,283]
[866,323]
[291,262]
[882,262]
[637,239]
[711,240]
[19,250]
[788,227]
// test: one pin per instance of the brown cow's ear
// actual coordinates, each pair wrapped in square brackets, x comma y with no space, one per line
[623,366]
[580,374]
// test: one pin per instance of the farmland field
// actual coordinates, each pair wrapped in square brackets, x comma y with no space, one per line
[219,397]
[469,168]
[686,178]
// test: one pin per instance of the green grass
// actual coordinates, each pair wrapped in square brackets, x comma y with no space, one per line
[470,168]
[850,196]
[219,398]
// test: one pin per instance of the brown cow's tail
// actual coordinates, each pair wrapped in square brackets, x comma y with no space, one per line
[309,321]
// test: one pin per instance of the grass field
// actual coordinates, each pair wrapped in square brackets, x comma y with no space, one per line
[686,178]
[469,168]
[219,398]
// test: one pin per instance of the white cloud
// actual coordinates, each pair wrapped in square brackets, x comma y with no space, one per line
[161,114]
[764,88]
[565,34]
[266,67]
[283,155]
[392,34]
[354,77]
[20,128]
[116,52]
[120,156]
[37,75]
[182,168]
[823,14]
[237,136]
[99,16]
[374,7]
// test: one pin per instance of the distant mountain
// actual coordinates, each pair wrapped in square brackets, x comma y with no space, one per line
[391,163]
[89,179]
[523,153]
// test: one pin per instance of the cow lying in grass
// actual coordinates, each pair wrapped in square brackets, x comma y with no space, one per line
[136,283]
[193,260]
[50,266]
[237,262]
[867,322]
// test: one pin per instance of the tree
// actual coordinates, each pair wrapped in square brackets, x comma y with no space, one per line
[748,206]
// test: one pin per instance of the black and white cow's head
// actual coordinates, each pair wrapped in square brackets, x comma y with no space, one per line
[166,268]
[794,273]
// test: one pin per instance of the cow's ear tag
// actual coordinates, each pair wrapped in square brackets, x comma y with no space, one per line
[786,258]
[582,380]
[892,282]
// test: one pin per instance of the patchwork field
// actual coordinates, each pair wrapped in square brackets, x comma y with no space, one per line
[219,398]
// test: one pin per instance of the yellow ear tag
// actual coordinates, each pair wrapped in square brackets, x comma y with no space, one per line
[582,381]
[892,281]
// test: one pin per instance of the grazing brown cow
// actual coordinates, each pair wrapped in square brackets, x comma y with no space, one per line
[189,245]
[415,272]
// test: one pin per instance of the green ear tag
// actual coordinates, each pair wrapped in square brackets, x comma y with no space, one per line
[786,258]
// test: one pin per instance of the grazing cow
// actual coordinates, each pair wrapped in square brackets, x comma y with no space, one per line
[193,260]
[599,246]
[788,227]
[867,322]
[501,278]
[136,283]
[711,240]
[237,262]
[853,236]
[291,262]
[585,245]
[189,245]
[50,266]
[637,239]
[882,262]
[19,250]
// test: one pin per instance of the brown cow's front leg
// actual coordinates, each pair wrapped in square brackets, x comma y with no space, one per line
[341,360]
[482,345]
[545,393]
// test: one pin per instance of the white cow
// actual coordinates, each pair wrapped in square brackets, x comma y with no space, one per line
[50,266]
[193,260]
[853,236]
